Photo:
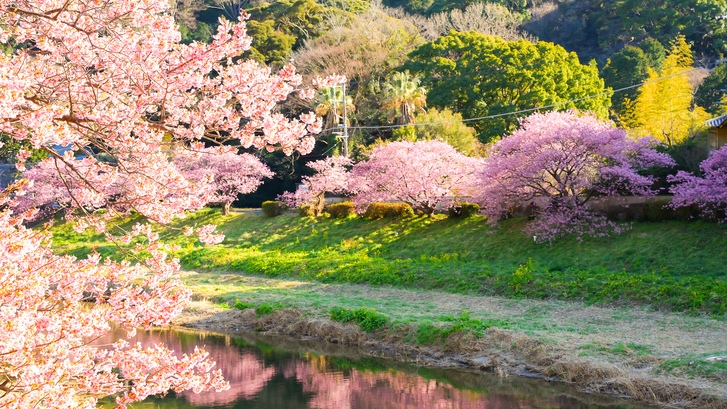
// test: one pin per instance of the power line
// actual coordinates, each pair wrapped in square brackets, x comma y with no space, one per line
[522,111]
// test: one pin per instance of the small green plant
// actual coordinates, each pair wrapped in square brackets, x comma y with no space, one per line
[239,305]
[381,210]
[465,323]
[428,334]
[367,318]
[522,276]
[340,210]
[463,210]
[272,208]
[267,308]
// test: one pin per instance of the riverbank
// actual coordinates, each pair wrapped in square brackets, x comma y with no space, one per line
[640,314]
[669,359]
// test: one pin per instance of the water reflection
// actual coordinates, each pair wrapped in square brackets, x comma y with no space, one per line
[266,376]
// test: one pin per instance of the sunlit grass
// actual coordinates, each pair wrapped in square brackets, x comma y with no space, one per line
[674,265]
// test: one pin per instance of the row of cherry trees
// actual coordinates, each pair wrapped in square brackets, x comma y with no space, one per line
[557,164]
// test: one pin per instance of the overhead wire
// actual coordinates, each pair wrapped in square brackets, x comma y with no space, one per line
[523,111]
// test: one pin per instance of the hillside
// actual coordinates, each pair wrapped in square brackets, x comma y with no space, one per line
[675,265]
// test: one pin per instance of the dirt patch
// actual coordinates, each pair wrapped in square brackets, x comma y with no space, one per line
[497,350]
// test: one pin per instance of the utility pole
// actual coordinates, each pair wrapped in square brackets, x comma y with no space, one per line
[345,124]
[343,135]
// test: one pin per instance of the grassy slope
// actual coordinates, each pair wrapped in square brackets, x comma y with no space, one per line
[674,265]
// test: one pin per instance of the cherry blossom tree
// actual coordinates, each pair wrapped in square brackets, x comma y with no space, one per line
[558,162]
[232,174]
[427,175]
[708,192]
[331,176]
[111,77]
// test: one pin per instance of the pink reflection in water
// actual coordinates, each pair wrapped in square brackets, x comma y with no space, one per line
[246,373]
[376,390]
[248,376]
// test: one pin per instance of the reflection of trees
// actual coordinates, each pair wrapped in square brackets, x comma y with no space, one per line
[330,389]
[246,373]
[386,389]
[274,379]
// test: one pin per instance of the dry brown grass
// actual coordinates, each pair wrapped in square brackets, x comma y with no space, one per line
[568,341]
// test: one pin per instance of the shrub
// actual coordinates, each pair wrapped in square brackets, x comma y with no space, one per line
[656,210]
[463,209]
[380,210]
[367,318]
[272,208]
[306,210]
[341,210]
[240,305]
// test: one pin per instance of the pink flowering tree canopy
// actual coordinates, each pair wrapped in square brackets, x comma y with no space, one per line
[232,174]
[331,176]
[558,162]
[427,175]
[708,192]
[111,77]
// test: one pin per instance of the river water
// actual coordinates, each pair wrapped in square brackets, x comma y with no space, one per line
[275,373]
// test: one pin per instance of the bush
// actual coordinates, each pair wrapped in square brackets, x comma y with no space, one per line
[463,210]
[380,210]
[240,305]
[306,211]
[340,210]
[656,210]
[272,208]
[367,318]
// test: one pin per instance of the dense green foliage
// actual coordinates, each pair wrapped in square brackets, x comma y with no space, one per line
[672,265]
[437,6]
[340,210]
[383,210]
[597,28]
[630,66]
[480,75]
[620,22]
[272,208]
[712,91]
[269,46]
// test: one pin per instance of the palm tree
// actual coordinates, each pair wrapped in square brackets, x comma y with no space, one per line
[328,100]
[403,96]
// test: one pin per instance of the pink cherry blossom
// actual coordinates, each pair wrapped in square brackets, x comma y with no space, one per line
[331,176]
[427,175]
[231,174]
[708,192]
[559,161]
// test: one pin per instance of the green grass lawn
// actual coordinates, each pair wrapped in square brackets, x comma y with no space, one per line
[675,265]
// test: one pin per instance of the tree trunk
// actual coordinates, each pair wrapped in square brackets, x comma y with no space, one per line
[226,208]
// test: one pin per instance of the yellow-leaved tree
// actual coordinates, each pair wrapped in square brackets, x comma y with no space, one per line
[664,107]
